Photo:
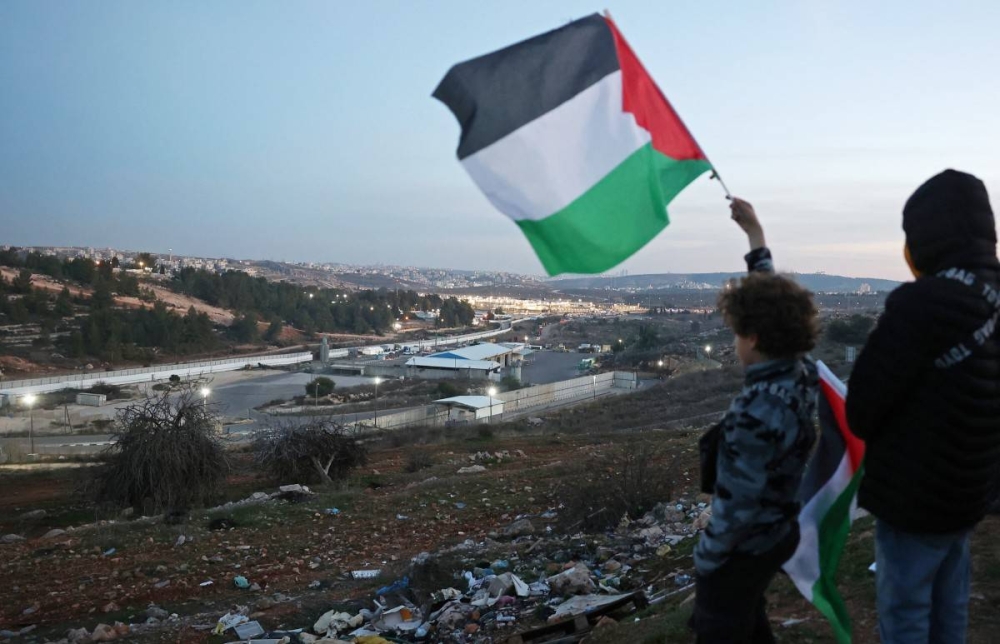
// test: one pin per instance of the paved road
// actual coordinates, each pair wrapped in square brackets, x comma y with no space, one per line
[552,366]
[239,398]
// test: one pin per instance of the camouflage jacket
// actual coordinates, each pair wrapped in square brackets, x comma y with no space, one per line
[767,437]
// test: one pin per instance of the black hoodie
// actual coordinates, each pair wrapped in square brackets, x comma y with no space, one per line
[925,392]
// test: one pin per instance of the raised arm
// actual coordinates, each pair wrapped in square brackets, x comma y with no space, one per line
[759,257]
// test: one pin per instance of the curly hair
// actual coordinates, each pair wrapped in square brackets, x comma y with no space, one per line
[775,309]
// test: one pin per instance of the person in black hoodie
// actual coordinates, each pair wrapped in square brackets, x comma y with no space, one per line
[925,397]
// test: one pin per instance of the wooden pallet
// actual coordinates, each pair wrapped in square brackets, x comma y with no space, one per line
[573,629]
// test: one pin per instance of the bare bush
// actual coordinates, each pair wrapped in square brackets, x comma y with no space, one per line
[320,451]
[418,459]
[627,480]
[165,458]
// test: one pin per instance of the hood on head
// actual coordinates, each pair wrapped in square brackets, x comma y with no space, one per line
[948,222]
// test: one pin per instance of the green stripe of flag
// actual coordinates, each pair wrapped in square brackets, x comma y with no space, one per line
[615,218]
[832,531]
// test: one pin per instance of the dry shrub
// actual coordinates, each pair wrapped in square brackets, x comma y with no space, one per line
[166,457]
[627,480]
[418,459]
[319,451]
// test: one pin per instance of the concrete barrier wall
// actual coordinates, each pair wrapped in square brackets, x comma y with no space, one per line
[429,415]
[446,341]
[148,374]
[577,388]
[519,400]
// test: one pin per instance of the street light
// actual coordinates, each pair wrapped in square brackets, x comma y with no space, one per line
[659,364]
[492,392]
[29,400]
[204,395]
[377,381]
[708,351]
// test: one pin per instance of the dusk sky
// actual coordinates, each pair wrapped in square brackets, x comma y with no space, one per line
[305,131]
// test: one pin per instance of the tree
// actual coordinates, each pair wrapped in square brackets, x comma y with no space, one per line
[75,345]
[448,389]
[853,330]
[321,386]
[101,298]
[319,451]
[165,458]
[274,330]
[510,383]
[21,283]
[647,337]
[64,303]
[244,328]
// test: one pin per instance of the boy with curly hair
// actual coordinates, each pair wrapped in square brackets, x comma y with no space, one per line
[753,460]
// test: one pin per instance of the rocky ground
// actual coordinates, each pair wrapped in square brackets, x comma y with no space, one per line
[473,540]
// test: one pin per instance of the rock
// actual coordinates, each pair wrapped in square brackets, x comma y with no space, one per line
[180,541]
[663,513]
[11,538]
[612,566]
[296,488]
[103,633]
[575,581]
[127,513]
[110,607]
[33,515]
[651,534]
[156,612]
[472,469]
[307,638]
[603,553]
[75,635]
[519,528]
[31,610]
[52,534]
[702,521]
[264,603]
[605,621]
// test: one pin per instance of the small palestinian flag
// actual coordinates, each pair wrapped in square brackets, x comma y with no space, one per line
[568,135]
[829,502]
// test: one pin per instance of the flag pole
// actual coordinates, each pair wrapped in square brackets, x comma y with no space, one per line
[715,173]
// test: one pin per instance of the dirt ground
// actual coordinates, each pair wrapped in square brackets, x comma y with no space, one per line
[388,514]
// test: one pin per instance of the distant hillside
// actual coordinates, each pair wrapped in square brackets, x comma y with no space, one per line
[818,282]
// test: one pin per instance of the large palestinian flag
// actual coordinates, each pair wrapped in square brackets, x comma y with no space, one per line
[569,136]
[829,496]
